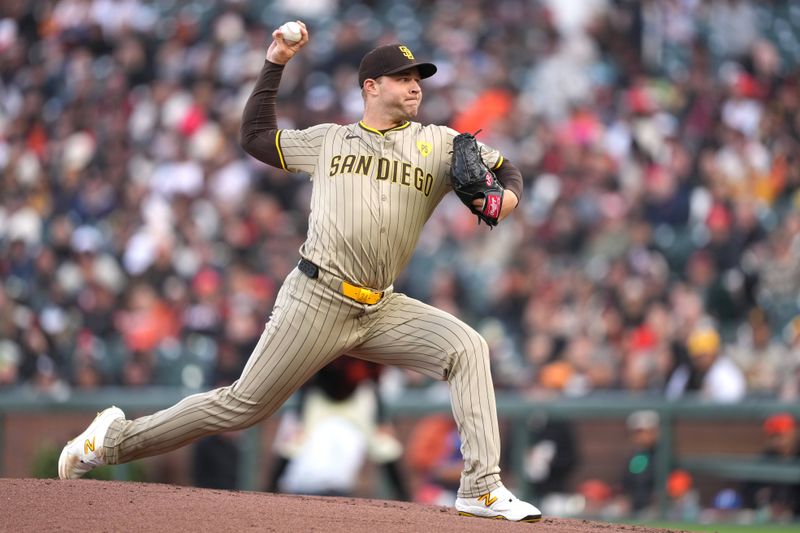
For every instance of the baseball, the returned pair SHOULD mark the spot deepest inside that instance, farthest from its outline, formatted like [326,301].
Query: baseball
[291,32]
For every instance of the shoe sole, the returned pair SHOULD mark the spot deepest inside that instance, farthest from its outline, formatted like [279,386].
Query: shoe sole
[65,462]
[528,519]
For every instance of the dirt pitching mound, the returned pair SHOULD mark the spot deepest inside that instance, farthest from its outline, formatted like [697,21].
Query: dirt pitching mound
[87,505]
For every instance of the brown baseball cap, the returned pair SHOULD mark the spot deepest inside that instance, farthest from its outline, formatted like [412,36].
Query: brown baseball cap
[391,59]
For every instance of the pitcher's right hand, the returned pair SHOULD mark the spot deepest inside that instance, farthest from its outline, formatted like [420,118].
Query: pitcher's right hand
[280,51]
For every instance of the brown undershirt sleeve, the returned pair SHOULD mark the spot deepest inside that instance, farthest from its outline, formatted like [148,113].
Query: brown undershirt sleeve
[510,177]
[260,120]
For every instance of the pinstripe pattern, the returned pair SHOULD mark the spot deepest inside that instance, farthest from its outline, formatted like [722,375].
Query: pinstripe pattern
[411,334]
[372,194]
[364,229]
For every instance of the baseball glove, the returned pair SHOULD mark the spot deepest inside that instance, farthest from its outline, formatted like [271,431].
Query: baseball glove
[472,179]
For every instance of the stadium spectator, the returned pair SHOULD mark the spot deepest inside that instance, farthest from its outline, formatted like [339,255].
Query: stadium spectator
[434,456]
[551,456]
[638,482]
[215,461]
[684,499]
[764,359]
[339,423]
[780,501]
[709,373]
[790,384]
[660,164]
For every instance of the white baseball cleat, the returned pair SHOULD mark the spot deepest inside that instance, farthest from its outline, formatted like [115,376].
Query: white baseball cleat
[85,452]
[499,504]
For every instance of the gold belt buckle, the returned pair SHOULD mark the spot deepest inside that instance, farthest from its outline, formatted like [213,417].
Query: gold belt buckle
[360,294]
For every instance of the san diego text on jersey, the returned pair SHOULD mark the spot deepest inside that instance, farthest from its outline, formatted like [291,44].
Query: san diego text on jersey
[401,172]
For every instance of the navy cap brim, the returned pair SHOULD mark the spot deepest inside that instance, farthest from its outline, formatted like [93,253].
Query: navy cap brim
[426,70]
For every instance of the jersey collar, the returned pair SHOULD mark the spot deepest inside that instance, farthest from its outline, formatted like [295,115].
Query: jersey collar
[373,130]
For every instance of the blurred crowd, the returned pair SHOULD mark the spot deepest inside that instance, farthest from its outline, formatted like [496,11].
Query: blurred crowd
[635,491]
[656,248]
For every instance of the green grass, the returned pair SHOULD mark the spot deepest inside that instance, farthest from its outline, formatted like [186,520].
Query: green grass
[729,528]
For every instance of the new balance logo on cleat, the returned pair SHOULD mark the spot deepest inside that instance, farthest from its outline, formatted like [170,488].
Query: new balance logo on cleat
[88,446]
[499,504]
[487,499]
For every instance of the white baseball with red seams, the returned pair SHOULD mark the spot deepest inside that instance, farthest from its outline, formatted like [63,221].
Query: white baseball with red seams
[291,32]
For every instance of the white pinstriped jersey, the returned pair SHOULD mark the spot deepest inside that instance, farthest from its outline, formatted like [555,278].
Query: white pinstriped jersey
[372,193]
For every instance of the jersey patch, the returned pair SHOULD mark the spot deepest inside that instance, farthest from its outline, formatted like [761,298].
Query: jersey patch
[425,148]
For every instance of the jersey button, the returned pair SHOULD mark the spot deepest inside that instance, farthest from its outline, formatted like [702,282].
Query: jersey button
[383,230]
[383,197]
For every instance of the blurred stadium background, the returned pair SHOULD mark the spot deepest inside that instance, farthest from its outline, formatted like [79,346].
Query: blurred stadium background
[653,266]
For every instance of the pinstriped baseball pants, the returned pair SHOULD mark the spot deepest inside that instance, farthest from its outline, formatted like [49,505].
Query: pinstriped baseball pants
[311,325]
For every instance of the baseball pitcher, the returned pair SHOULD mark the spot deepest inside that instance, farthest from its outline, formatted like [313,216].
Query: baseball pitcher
[375,184]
